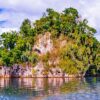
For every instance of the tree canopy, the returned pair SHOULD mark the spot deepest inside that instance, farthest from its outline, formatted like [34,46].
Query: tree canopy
[81,51]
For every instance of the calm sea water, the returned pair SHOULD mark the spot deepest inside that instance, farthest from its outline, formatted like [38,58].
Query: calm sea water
[49,89]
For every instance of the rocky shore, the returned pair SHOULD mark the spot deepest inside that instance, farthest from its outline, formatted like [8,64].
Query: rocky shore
[18,71]
[42,46]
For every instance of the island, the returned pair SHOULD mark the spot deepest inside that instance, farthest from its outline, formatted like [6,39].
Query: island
[56,45]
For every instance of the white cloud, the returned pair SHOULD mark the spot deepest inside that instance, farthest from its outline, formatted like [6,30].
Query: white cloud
[91,11]
[97,36]
[7,30]
[17,10]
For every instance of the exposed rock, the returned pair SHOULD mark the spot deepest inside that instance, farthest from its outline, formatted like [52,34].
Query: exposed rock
[19,71]
[39,68]
[44,44]
[16,71]
[5,71]
[56,72]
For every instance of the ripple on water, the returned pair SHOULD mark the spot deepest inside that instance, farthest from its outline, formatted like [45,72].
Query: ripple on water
[75,96]
[50,89]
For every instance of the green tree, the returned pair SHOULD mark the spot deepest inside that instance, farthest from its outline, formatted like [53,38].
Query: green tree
[9,40]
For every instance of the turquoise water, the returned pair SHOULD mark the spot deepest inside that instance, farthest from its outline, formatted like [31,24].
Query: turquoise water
[49,89]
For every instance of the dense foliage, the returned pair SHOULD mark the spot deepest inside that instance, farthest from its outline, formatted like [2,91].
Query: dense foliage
[81,51]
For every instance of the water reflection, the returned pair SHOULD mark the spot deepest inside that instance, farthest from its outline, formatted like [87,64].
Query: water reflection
[45,89]
[33,83]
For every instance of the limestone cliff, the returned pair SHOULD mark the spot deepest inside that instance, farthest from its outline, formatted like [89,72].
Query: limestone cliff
[48,51]
[43,44]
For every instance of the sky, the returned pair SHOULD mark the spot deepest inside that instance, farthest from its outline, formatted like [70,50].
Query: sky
[13,12]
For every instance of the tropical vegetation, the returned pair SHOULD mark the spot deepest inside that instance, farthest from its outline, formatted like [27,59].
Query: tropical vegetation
[80,52]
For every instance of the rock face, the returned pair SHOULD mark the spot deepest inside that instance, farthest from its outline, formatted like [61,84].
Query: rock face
[44,44]
[19,71]
[56,72]
[5,71]
[16,71]
[39,68]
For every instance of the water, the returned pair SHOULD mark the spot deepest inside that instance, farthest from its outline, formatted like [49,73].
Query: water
[49,89]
